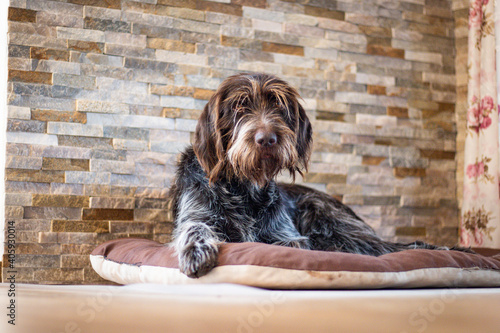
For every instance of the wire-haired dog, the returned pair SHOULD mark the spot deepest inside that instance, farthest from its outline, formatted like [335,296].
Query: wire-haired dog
[252,128]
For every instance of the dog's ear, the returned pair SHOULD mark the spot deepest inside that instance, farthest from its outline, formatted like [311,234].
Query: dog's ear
[304,138]
[208,145]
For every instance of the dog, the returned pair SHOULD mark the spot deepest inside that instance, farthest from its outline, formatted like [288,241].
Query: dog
[224,190]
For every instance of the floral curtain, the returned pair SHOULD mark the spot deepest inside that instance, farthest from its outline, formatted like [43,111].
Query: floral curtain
[480,220]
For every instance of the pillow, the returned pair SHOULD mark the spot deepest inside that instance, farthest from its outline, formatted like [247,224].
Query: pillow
[131,260]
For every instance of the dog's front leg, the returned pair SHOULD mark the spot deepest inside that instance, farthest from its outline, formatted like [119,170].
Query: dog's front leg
[196,246]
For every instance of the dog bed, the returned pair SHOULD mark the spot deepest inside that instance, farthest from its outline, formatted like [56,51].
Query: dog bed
[131,260]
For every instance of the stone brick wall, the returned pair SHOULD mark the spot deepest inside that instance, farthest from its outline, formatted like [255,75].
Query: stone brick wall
[103,94]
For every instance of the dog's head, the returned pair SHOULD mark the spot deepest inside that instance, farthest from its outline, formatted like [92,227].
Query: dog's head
[252,128]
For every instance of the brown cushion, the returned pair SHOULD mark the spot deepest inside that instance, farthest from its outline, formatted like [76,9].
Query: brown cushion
[139,260]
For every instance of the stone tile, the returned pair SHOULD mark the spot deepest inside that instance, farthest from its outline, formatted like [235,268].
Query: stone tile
[151,192]
[282,48]
[123,191]
[124,39]
[37,261]
[80,34]
[126,133]
[65,164]
[180,58]
[151,203]
[45,200]
[74,129]
[263,14]
[37,176]
[18,199]
[178,3]
[230,9]
[129,51]
[163,135]
[243,43]
[59,116]
[97,190]
[376,90]
[172,90]
[304,30]
[19,149]
[108,214]
[200,81]
[23,162]
[26,187]
[397,112]
[37,40]
[52,213]
[49,54]
[79,226]
[75,261]
[50,19]
[409,172]
[419,201]
[251,3]
[196,26]
[14,212]
[169,44]
[61,152]
[94,23]
[21,15]
[324,178]
[114,203]
[79,249]
[85,46]
[69,189]
[32,77]
[58,274]
[18,51]
[130,145]
[276,27]
[76,81]
[181,102]
[118,167]
[16,112]
[411,231]
[322,12]
[32,126]
[153,215]
[329,54]
[130,121]
[84,177]
[131,227]
[58,67]
[109,154]
[437,154]
[50,6]
[102,107]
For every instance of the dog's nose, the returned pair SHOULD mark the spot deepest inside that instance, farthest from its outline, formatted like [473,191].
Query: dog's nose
[265,138]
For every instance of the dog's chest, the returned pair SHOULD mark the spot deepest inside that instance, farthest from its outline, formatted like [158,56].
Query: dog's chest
[246,210]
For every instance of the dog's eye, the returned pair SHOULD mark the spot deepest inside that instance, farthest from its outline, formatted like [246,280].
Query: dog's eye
[276,102]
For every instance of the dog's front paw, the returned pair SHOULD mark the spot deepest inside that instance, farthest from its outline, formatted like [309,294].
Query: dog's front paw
[198,259]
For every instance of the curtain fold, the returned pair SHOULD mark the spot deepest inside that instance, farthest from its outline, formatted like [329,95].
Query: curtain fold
[480,220]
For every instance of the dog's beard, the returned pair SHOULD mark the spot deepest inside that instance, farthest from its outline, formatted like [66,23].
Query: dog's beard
[261,165]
